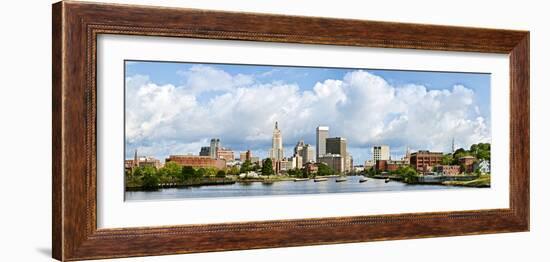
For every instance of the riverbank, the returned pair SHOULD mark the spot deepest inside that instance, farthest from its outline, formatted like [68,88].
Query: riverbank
[482,181]
[188,183]
[462,181]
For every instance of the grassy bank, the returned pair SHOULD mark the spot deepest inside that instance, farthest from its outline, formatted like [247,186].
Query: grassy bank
[482,181]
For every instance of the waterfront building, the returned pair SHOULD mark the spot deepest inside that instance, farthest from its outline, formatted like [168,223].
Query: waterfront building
[381,152]
[358,169]
[311,168]
[197,161]
[484,166]
[141,161]
[321,137]
[305,151]
[277,151]
[389,165]
[255,160]
[308,153]
[349,163]
[424,160]
[285,165]
[214,145]
[339,146]
[297,161]
[447,170]
[407,157]
[334,161]
[205,151]
[467,163]
[369,164]
[225,153]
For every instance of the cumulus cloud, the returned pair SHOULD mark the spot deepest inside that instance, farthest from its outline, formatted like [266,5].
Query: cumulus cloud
[241,110]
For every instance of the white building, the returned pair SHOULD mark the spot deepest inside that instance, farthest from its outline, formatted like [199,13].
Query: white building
[277,151]
[321,137]
[381,152]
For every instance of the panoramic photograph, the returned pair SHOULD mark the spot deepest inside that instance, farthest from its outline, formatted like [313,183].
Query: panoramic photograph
[204,130]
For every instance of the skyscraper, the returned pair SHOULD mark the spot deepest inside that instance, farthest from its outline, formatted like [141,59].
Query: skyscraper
[381,152]
[277,152]
[307,154]
[339,146]
[305,151]
[214,145]
[322,135]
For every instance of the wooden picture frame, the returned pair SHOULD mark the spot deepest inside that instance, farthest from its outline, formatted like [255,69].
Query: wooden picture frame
[76,26]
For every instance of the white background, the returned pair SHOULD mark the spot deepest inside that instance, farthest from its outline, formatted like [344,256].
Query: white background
[25,136]
[114,212]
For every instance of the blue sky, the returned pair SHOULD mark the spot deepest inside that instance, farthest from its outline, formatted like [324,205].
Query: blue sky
[304,80]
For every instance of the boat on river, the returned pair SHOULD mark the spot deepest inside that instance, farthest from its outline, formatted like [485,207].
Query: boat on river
[300,179]
[321,179]
[387,180]
[363,180]
[341,179]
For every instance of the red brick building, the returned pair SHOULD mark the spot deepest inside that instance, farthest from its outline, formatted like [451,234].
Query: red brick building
[448,170]
[468,163]
[225,153]
[423,161]
[197,161]
[389,165]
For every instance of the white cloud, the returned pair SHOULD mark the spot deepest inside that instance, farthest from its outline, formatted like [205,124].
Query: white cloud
[362,107]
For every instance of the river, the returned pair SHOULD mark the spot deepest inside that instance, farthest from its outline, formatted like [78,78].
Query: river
[279,188]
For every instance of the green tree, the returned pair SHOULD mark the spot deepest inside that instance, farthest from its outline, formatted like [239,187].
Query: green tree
[201,172]
[220,174]
[233,171]
[172,170]
[150,178]
[267,167]
[408,174]
[138,171]
[447,159]
[324,170]
[295,172]
[187,172]
[246,166]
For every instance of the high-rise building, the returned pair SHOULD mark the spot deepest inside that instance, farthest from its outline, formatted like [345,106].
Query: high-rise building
[308,155]
[205,151]
[277,152]
[305,151]
[336,145]
[214,146]
[339,146]
[334,161]
[381,152]
[225,153]
[247,155]
[321,137]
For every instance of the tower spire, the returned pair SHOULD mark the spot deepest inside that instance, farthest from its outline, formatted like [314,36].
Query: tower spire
[453,146]
[136,160]
[276,125]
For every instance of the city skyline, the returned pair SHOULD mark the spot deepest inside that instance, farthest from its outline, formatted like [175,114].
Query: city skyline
[176,108]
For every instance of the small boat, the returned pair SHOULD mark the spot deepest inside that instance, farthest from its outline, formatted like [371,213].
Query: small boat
[363,180]
[321,179]
[341,179]
[387,180]
[300,179]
